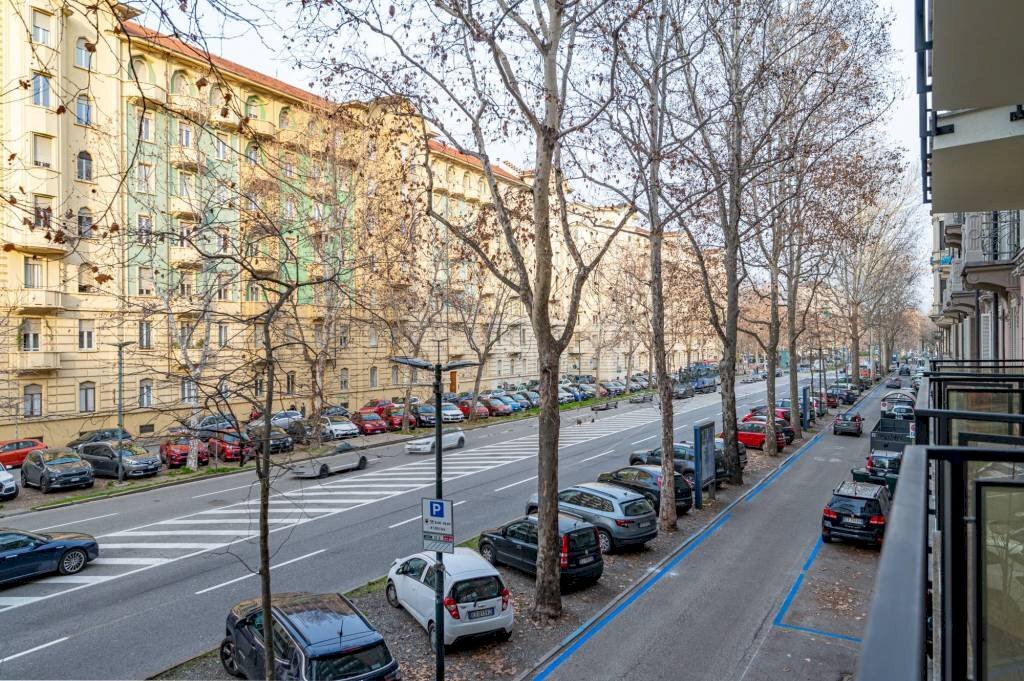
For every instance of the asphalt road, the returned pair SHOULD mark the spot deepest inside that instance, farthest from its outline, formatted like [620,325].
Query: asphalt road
[173,561]
[707,616]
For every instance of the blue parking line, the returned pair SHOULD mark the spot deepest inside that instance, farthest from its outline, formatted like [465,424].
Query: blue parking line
[665,569]
[817,632]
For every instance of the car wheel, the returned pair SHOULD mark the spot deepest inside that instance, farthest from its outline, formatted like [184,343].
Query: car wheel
[391,594]
[605,541]
[72,561]
[504,635]
[487,552]
[827,538]
[227,658]
[462,443]
[24,478]
[362,463]
[89,484]
[324,471]
[44,485]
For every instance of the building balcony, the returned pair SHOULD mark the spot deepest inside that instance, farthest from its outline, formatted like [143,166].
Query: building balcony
[263,264]
[254,308]
[224,117]
[989,253]
[38,240]
[35,362]
[140,92]
[953,230]
[255,180]
[186,158]
[184,208]
[38,300]
[189,106]
[292,137]
[185,258]
[257,127]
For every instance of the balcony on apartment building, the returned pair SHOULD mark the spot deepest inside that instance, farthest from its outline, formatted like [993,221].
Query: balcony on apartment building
[258,127]
[38,300]
[953,229]
[224,116]
[184,207]
[34,362]
[949,590]
[38,240]
[254,308]
[189,106]
[990,249]
[140,92]
[185,258]
[958,301]
[186,158]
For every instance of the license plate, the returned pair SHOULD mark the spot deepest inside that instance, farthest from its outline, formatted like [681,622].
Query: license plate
[646,523]
[477,614]
[76,479]
[586,559]
[854,521]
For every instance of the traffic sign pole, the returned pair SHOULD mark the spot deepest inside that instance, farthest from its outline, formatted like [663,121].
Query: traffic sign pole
[439,494]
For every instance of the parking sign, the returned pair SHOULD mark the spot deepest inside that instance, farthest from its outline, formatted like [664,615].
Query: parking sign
[438,525]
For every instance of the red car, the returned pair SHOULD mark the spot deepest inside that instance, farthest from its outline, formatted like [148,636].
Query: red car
[752,434]
[13,452]
[393,417]
[174,451]
[368,421]
[482,411]
[496,407]
[832,401]
[379,406]
[780,413]
[229,446]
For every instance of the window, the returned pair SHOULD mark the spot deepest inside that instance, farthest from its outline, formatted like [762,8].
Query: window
[253,108]
[252,154]
[284,118]
[184,135]
[223,390]
[343,379]
[145,335]
[373,377]
[394,375]
[40,28]
[179,84]
[41,90]
[222,335]
[84,281]
[220,148]
[83,110]
[289,383]
[222,240]
[30,332]
[42,147]
[223,287]
[289,209]
[189,391]
[252,293]
[43,211]
[144,229]
[145,393]
[371,337]
[33,273]
[85,334]
[32,399]
[289,168]
[185,184]
[146,281]
[257,386]
[499,368]
[83,53]
[85,223]
[138,70]
[185,285]
[87,396]
[145,126]
[144,178]
[84,166]
[343,337]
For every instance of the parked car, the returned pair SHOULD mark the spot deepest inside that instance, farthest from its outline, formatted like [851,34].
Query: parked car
[395,414]
[519,399]
[280,440]
[882,462]
[210,425]
[229,445]
[682,391]
[13,452]
[476,601]
[565,397]
[29,554]
[832,399]
[108,458]
[336,463]
[368,421]
[510,402]
[8,485]
[283,419]
[682,459]
[839,394]
[588,390]
[515,544]
[622,517]
[452,438]
[335,410]
[423,415]
[780,425]
[378,405]
[762,410]
[173,451]
[612,388]
[848,422]
[59,468]
[894,382]
[531,397]
[752,434]
[495,407]
[337,427]
[787,403]
[647,480]
[481,410]
[316,636]
[905,370]
[857,511]
[450,413]
[98,436]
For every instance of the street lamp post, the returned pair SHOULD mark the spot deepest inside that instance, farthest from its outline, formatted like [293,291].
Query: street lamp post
[120,404]
[438,369]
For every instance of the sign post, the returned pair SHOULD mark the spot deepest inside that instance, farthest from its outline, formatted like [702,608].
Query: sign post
[438,526]
[805,407]
[703,459]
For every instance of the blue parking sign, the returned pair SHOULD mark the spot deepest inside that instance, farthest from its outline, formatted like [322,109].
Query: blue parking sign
[436,509]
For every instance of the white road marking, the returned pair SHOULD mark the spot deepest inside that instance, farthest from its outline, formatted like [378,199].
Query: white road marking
[166,545]
[16,600]
[516,483]
[75,522]
[222,521]
[272,567]
[591,458]
[130,561]
[644,440]
[32,650]
[180,533]
[76,579]
[229,489]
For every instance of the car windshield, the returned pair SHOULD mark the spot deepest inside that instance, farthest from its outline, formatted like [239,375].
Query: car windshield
[370,417]
[636,507]
[449,407]
[133,451]
[183,440]
[228,437]
[425,409]
[350,663]
[889,463]
[582,540]
[855,505]
[476,589]
[60,456]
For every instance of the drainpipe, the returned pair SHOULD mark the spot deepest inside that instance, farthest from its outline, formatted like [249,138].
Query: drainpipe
[976,327]
[996,326]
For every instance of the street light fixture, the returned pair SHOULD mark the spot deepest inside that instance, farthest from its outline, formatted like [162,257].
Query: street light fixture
[438,369]
[120,404]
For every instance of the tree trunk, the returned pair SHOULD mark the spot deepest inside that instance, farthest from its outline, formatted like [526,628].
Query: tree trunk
[548,596]
[317,400]
[193,441]
[667,511]
[772,356]
[854,374]
[481,360]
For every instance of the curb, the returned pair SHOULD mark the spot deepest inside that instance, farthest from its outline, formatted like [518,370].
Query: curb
[699,535]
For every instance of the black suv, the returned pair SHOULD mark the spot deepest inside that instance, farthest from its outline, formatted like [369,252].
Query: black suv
[316,636]
[857,511]
[647,481]
[515,544]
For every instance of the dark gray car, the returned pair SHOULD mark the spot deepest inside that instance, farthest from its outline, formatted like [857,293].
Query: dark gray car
[105,458]
[98,436]
[50,469]
[622,517]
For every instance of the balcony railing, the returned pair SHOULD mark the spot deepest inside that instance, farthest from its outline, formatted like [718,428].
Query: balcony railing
[994,240]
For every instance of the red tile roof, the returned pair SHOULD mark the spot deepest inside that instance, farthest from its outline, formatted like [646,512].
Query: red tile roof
[191,51]
[442,148]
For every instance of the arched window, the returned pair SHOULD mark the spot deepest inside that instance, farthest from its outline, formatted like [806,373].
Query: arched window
[33,400]
[216,96]
[139,70]
[83,53]
[480,186]
[179,83]
[465,183]
[83,110]
[252,154]
[284,118]
[84,223]
[146,393]
[87,396]
[254,108]
[83,168]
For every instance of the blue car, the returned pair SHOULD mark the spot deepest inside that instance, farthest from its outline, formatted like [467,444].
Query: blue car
[28,554]
[511,402]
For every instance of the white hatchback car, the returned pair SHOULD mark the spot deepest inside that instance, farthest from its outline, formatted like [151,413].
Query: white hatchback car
[476,601]
[450,439]
[337,427]
[450,413]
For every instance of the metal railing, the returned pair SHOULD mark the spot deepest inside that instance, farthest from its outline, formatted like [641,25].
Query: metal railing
[996,238]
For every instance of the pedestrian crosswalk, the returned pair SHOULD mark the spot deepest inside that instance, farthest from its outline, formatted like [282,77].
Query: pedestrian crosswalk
[211,531]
